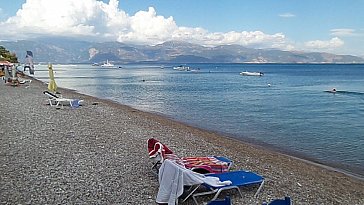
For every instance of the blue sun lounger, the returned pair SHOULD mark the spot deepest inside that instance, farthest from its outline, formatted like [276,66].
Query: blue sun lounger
[173,178]
[238,179]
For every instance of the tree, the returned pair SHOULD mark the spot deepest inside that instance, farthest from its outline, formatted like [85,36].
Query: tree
[6,55]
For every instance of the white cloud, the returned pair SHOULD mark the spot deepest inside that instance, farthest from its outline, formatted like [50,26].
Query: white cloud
[66,17]
[102,21]
[343,32]
[331,44]
[148,27]
[256,38]
[287,15]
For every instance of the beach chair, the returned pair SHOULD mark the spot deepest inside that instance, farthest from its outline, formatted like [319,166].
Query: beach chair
[174,177]
[285,201]
[238,179]
[55,100]
[159,152]
[51,98]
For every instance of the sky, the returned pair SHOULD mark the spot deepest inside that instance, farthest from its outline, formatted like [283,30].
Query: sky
[294,25]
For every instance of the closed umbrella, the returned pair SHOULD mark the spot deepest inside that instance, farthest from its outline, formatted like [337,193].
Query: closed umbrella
[52,86]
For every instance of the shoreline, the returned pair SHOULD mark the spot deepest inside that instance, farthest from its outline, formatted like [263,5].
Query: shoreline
[102,141]
[249,141]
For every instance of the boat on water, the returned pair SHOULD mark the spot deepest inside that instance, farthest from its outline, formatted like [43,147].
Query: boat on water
[108,65]
[246,73]
[182,68]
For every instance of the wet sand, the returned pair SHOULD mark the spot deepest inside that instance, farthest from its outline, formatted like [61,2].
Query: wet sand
[97,154]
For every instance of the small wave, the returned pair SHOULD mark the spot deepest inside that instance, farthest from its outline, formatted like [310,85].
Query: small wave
[350,92]
[345,92]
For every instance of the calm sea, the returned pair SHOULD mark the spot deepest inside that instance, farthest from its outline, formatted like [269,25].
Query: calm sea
[286,109]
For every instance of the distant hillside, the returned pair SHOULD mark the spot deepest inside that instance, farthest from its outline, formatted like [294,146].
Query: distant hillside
[58,50]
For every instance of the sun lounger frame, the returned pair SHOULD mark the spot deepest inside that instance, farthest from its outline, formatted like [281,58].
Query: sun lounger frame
[57,101]
[236,185]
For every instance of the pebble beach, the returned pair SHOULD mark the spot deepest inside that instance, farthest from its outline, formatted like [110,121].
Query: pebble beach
[97,154]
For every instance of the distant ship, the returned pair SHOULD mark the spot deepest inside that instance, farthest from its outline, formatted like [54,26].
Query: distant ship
[182,68]
[246,73]
[108,65]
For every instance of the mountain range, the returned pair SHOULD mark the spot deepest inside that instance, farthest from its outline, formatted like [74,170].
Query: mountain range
[61,50]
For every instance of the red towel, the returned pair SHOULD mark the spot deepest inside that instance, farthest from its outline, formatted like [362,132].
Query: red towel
[155,147]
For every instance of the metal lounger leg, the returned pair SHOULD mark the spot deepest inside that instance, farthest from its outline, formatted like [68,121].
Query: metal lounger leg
[202,194]
[191,193]
[217,191]
[260,187]
[155,168]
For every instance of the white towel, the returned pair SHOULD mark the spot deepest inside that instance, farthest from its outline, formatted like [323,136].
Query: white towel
[173,177]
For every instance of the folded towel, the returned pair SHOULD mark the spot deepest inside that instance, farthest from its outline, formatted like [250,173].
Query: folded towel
[215,181]
[76,103]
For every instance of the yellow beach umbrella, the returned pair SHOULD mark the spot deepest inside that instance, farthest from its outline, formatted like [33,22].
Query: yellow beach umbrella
[52,86]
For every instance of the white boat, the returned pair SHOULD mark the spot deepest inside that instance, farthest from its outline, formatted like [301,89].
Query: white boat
[108,65]
[182,68]
[246,73]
